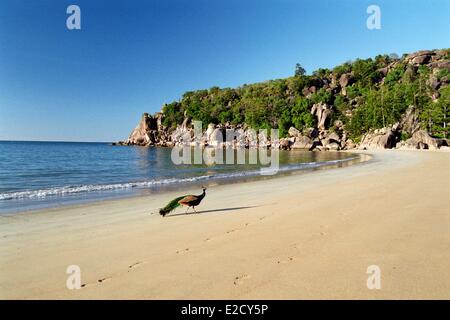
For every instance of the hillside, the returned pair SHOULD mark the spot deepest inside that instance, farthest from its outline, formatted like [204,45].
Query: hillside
[382,102]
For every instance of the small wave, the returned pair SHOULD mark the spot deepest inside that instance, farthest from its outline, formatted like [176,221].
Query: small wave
[69,190]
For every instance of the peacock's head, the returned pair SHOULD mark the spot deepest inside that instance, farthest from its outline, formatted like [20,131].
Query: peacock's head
[204,188]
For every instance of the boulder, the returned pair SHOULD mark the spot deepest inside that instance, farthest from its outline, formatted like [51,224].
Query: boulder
[339,125]
[442,143]
[322,111]
[420,57]
[307,91]
[285,144]
[349,145]
[311,132]
[383,71]
[182,135]
[419,140]
[434,83]
[217,137]
[331,137]
[159,116]
[333,146]
[440,65]
[209,131]
[302,142]
[334,137]
[293,132]
[319,148]
[423,137]
[409,122]
[263,140]
[384,138]
[240,139]
[140,134]
[334,82]
[345,80]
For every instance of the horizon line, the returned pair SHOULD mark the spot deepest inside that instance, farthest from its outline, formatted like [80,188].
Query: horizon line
[57,141]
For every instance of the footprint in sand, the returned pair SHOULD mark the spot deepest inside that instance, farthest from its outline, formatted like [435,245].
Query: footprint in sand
[183,251]
[134,265]
[101,280]
[104,279]
[238,280]
[230,231]
[239,229]
[288,260]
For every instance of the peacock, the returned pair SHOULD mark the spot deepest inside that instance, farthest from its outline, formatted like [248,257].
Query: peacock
[188,201]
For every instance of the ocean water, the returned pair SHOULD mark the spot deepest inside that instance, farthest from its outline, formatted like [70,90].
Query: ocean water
[36,175]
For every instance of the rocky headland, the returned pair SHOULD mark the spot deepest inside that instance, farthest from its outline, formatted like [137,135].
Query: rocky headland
[330,120]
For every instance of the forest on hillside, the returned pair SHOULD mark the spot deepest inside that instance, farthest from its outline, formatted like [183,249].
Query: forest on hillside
[364,94]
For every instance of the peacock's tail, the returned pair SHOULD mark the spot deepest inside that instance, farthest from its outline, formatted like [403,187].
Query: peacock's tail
[170,206]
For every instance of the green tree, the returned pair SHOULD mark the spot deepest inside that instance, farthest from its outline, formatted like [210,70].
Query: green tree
[301,114]
[436,115]
[173,114]
[365,72]
[299,70]
[323,96]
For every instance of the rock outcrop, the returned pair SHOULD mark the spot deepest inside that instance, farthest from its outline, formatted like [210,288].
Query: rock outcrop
[322,111]
[421,140]
[326,135]
[409,123]
[149,132]
[302,142]
[385,138]
[183,134]
[420,57]
[293,132]
[143,133]
[346,80]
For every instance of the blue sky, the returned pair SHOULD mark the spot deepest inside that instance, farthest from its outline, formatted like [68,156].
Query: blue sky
[132,57]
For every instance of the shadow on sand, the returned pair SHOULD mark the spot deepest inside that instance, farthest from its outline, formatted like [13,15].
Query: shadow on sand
[209,211]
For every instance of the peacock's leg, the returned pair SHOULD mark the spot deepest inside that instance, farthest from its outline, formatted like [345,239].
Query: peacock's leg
[187,209]
[194,209]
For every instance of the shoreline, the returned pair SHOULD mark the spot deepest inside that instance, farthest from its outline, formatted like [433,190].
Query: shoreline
[91,197]
[320,233]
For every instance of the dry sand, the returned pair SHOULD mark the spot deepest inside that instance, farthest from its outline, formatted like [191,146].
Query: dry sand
[308,236]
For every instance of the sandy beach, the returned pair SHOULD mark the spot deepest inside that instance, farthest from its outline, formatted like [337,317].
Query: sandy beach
[304,236]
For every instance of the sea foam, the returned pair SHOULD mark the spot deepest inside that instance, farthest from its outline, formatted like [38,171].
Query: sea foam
[72,189]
